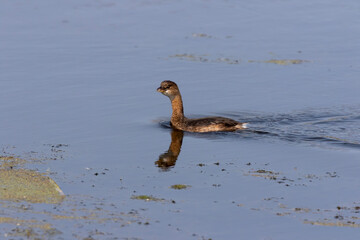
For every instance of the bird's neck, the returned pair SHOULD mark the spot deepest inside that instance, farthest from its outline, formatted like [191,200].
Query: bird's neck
[177,110]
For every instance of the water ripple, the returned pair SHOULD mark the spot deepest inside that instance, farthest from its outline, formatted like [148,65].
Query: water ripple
[322,127]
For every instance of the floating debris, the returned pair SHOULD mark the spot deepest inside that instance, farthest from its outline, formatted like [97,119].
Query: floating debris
[191,57]
[9,162]
[281,61]
[147,198]
[264,173]
[333,224]
[228,60]
[286,61]
[179,186]
[201,35]
[205,58]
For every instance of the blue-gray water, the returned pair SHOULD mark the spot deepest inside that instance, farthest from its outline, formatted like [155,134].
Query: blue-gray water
[84,74]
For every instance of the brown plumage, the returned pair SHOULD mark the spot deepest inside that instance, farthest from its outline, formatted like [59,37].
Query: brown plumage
[179,121]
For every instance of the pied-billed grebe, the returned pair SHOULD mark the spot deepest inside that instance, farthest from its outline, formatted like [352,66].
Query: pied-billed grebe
[179,121]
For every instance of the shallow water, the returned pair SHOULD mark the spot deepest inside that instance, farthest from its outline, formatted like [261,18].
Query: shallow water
[79,102]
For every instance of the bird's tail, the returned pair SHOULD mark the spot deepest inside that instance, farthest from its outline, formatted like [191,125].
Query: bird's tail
[243,125]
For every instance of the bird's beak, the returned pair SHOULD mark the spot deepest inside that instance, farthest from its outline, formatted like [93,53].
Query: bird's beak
[160,90]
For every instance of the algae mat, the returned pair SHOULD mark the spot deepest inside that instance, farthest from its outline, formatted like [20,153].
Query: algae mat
[30,186]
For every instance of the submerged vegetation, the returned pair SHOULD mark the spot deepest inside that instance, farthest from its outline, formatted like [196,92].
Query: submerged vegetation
[147,198]
[30,186]
[286,61]
[230,60]
[26,185]
[179,186]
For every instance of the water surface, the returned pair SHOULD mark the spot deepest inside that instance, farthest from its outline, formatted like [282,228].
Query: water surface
[79,104]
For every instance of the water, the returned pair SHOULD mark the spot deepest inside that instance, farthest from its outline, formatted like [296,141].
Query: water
[79,102]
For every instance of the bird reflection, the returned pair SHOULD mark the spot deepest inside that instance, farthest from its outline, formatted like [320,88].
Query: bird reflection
[168,158]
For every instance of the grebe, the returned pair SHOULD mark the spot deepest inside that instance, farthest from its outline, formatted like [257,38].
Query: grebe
[179,121]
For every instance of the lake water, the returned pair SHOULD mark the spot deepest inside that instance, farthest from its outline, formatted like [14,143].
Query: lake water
[79,104]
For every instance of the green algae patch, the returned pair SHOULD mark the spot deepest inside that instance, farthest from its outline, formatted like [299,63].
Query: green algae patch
[179,186]
[26,222]
[201,35]
[282,61]
[333,224]
[147,198]
[33,232]
[30,186]
[205,58]
[10,162]
[265,171]
[191,57]
[286,61]
[265,174]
